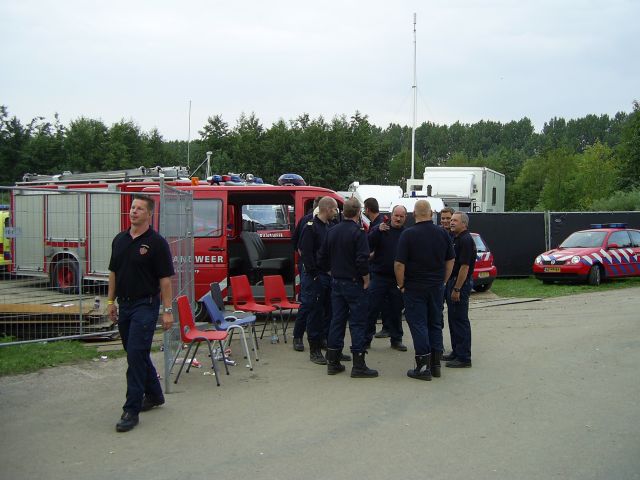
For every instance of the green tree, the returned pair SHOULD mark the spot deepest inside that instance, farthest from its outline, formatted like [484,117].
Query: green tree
[629,150]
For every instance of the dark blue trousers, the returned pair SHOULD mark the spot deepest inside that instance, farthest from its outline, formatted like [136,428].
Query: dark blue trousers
[423,311]
[137,324]
[318,295]
[349,303]
[300,325]
[384,296]
[458,318]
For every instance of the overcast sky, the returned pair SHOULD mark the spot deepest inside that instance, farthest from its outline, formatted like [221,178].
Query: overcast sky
[144,60]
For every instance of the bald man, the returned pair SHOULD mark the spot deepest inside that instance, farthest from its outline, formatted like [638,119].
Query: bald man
[423,264]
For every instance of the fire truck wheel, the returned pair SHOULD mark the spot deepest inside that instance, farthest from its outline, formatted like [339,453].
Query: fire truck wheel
[65,275]
[201,314]
[595,277]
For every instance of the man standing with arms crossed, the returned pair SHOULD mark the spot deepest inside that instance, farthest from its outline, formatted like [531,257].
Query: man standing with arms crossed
[424,261]
[458,292]
[140,271]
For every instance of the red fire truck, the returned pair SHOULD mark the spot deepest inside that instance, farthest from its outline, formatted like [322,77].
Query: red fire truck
[240,226]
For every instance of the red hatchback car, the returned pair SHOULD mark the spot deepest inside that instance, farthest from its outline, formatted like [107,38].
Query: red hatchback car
[485,272]
[607,250]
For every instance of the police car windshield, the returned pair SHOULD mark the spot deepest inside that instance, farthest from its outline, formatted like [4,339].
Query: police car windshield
[588,239]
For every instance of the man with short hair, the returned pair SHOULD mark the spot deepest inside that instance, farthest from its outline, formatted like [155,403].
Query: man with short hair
[300,324]
[345,253]
[317,283]
[372,212]
[140,271]
[424,261]
[445,219]
[458,292]
[383,243]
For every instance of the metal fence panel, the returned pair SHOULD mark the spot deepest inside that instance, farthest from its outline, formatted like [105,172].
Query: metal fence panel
[563,224]
[514,238]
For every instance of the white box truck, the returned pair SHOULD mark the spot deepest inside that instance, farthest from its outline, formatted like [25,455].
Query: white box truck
[468,189]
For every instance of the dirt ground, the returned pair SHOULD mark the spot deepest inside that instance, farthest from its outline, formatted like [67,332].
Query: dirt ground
[554,392]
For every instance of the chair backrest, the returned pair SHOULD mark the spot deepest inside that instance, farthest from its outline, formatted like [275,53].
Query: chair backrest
[185,316]
[274,290]
[255,247]
[241,291]
[216,316]
[216,294]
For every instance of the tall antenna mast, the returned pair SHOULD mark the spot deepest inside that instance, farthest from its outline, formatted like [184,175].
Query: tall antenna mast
[415,103]
[189,138]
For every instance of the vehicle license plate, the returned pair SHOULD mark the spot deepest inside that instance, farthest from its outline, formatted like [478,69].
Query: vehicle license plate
[483,274]
[552,269]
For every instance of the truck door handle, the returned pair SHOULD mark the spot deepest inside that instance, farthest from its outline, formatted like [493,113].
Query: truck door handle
[216,249]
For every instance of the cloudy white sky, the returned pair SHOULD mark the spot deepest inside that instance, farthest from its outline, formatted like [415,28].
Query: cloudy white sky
[145,60]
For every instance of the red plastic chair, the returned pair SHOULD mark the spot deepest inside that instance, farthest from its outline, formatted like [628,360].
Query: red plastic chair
[243,300]
[191,335]
[275,295]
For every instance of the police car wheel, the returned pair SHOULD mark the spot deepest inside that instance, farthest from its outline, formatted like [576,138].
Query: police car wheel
[482,288]
[595,277]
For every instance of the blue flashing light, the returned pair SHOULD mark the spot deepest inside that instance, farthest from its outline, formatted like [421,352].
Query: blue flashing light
[608,225]
[216,179]
[258,180]
[235,178]
[291,179]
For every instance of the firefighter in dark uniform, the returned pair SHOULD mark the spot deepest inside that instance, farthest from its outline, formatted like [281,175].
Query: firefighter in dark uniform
[372,212]
[458,292]
[316,284]
[383,243]
[445,221]
[345,253]
[424,261]
[140,271]
[301,318]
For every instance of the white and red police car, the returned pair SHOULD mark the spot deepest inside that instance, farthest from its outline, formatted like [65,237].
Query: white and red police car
[484,272]
[607,250]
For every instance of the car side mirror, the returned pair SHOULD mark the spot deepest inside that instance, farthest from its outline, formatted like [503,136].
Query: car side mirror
[612,246]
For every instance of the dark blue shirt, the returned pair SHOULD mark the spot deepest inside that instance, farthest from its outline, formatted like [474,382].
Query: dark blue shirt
[384,246]
[376,221]
[139,263]
[345,251]
[310,242]
[297,232]
[424,249]
[465,249]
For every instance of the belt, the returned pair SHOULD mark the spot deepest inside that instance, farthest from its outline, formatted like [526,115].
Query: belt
[149,298]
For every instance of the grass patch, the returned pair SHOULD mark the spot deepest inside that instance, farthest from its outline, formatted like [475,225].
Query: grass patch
[530,287]
[31,357]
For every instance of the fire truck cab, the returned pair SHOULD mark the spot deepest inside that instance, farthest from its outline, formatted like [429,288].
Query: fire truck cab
[239,226]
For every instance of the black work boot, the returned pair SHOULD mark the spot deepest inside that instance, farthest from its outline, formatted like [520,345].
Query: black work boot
[333,361]
[435,363]
[315,354]
[360,369]
[149,402]
[436,356]
[422,370]
[127,421]
[298,346]
[343,357]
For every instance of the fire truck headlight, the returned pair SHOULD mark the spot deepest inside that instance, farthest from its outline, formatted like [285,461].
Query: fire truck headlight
[538,260]
[575,259]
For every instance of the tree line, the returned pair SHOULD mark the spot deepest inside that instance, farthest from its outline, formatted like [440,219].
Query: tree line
[589,163]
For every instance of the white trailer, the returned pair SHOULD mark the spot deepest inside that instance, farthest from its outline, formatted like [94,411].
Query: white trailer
[468,189]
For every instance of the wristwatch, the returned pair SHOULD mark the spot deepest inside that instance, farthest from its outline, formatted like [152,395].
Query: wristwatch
[456,289]
[167,310]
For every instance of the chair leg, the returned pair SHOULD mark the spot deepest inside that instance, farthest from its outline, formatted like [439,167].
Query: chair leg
[243,340]
[183,362]
[175,357]
[194,356]
[213,363]
[264,327]
[254,340]
[224,357]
